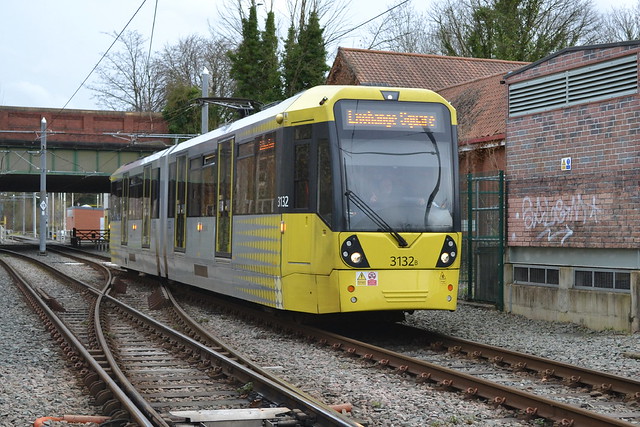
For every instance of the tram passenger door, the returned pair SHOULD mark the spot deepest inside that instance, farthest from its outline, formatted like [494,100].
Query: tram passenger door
[224,198]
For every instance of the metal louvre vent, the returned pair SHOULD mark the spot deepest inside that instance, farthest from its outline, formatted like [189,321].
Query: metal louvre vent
[603,279]
[608,79]
[536,275]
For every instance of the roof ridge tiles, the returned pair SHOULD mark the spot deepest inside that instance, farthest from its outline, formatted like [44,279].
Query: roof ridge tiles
[429,55]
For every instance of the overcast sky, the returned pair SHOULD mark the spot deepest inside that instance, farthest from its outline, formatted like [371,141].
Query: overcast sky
[47,47]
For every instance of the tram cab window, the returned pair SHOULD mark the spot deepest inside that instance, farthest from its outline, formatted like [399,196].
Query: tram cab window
[325,184]
[301,176]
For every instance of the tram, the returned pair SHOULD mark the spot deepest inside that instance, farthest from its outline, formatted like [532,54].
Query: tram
[340,199]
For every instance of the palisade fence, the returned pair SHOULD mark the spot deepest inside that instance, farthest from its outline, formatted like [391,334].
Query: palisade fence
[483,231]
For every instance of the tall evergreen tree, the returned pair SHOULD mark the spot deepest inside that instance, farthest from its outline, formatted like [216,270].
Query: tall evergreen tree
[272,85]
[255,66]
[291,61]
[315,53]
[304,61]
[246,60]
[180,114]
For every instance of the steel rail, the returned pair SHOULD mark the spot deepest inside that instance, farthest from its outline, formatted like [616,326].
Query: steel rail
[571,373]
[69,337]
[529,404]
[134,396]
[239,357]
[262,384]
[271,390]
[131,391]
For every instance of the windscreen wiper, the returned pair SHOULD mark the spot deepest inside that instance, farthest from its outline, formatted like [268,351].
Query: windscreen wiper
[377,219]
[437,186]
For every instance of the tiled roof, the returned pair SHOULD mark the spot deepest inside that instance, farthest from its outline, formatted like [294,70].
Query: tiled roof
[481,106]
[435,72]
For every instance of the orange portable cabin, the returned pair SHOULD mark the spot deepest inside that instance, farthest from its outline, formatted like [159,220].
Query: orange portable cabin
[85,218]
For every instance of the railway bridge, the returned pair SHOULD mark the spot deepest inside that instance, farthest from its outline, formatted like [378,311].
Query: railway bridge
[83,147]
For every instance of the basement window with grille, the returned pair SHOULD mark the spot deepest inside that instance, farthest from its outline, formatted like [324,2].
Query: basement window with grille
[536,275]
[611,280]
[604,80]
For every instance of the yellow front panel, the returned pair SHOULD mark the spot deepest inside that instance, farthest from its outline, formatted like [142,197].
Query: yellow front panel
[423,251]
[397,290]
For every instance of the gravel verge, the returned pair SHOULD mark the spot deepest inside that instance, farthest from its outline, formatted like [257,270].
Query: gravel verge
[34,382]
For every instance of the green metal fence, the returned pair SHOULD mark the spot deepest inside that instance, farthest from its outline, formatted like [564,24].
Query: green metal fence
[482,270]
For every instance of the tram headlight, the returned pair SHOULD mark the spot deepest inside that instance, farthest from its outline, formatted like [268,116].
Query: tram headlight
[352,253]
[356,257]
[448,253]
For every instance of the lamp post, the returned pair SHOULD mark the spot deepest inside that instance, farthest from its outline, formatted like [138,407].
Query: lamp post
[43,186]
[204,123]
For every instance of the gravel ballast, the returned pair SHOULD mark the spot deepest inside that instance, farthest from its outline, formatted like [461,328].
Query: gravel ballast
[34,382]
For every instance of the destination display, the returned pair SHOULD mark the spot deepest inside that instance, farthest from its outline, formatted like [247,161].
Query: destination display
[391,116]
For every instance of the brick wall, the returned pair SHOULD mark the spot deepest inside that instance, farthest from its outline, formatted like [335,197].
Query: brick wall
[597,203]
[78,125]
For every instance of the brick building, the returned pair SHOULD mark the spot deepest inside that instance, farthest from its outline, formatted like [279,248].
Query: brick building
[573,171]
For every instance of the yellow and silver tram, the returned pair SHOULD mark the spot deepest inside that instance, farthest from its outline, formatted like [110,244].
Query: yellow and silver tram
[339,199]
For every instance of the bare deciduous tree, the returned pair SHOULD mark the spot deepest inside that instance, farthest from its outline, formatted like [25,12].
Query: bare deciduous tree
[403,29]
[621,24]
[184,62]
[130,78]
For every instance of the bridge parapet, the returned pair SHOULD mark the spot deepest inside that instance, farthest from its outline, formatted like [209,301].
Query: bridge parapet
[20,126]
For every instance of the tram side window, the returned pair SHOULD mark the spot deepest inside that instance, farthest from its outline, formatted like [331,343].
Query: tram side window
[194,192]
[266,174]
[135,197]
[245,202]
[209,183]
[325,185]
[171,204]
[155,193]
[115,201]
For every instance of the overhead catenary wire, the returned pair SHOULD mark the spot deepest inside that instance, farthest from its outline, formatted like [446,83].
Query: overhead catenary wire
[344,33]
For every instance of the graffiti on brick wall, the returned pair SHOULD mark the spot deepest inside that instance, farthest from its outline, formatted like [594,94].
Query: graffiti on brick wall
[557,218]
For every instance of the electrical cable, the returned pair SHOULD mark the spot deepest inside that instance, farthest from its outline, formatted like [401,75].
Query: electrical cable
[153,28]
[365,22]
[96,66]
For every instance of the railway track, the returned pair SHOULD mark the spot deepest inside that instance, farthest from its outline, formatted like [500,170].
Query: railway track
[147,372]
[458,371]
[461,366]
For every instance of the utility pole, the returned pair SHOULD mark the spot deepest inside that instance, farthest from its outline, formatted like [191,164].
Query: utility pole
[43,186]
[204,127]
